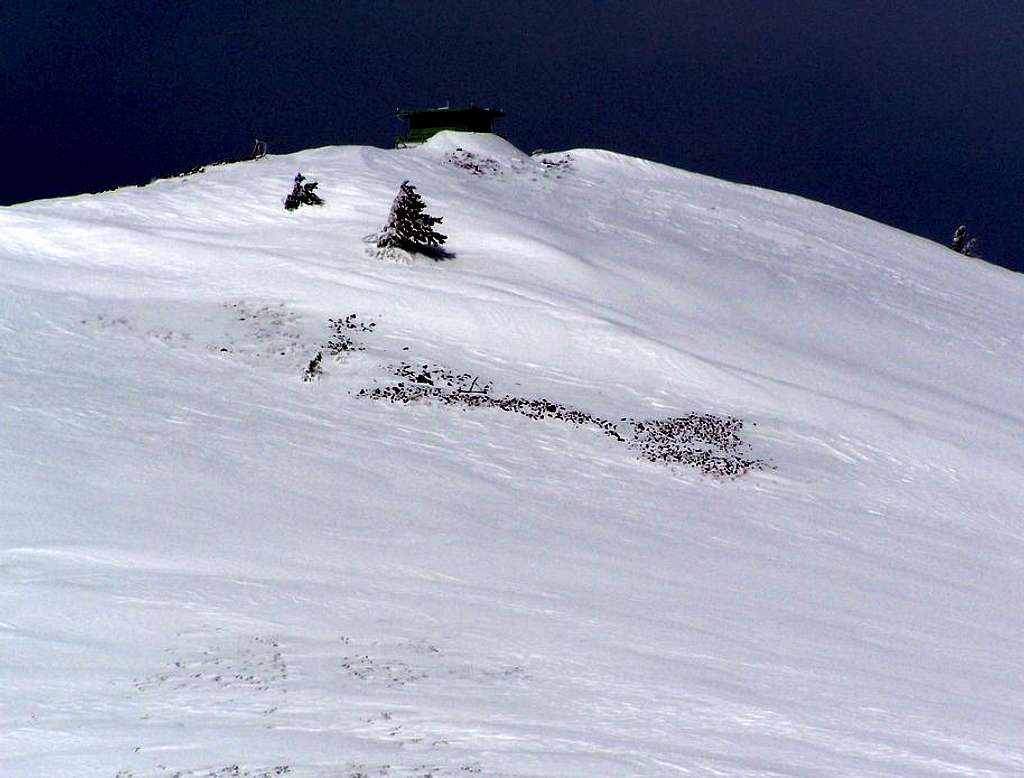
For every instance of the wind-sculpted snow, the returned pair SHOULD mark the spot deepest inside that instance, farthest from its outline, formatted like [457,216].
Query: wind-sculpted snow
[534,169]
[209,567]
[707,442]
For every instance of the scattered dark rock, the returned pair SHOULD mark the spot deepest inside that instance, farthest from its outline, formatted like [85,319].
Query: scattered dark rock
[351,322]
[475,163]
[705,441]
[340,341]
[557,167]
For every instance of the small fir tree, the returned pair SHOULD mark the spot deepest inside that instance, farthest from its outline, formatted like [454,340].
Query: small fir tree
[314,369]
[963,243]
[409,227]
[959,238]
[302,194]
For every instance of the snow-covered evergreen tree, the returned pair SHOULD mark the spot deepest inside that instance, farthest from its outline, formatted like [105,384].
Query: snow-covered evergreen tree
[302,194]
[409,227]
[314,369]
[959,238]
[962,243]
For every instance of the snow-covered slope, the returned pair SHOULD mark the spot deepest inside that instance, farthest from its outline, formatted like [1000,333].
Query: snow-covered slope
[211,567]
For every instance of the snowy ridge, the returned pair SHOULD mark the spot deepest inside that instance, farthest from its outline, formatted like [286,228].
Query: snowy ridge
[211,567]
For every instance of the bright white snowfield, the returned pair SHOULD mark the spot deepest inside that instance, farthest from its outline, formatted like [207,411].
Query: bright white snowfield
[210,567]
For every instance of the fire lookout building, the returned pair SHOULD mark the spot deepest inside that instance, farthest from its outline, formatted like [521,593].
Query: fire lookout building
[427,123]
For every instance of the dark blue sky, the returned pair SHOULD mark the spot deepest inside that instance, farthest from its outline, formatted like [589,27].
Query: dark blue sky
[907,111]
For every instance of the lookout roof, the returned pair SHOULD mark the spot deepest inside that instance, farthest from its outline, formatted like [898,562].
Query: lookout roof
[473,110]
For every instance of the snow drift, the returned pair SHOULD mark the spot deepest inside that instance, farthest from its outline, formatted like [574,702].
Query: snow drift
[211,567]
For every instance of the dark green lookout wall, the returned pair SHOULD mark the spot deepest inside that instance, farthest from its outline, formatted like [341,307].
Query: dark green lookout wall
[427,123]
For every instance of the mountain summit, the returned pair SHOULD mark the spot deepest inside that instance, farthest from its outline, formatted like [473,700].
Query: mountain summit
[653,475]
